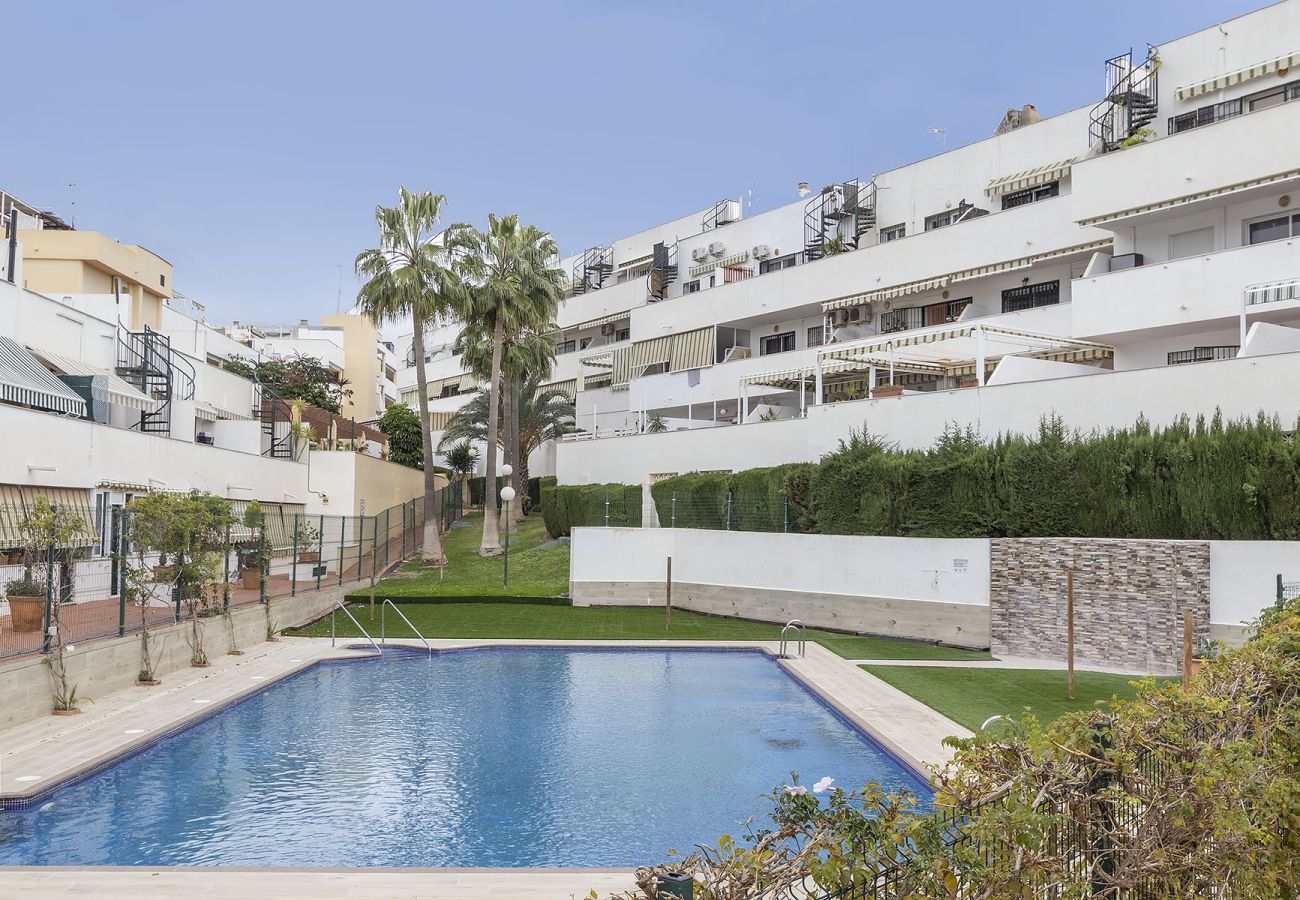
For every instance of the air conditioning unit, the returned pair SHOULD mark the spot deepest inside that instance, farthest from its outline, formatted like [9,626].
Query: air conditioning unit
[607,328]
[700,254]
[762,251]
[717,248]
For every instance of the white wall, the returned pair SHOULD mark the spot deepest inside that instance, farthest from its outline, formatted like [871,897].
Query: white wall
[1243,577]
[927,569]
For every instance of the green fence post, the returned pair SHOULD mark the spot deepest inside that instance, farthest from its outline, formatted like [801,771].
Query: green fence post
[674,509]
[120,587]
[403,529]
[607,509]
[728,510]
[293,566]
[343,535]
[785,502]
[180,578]
[374,549]
[320,550]
[225,571]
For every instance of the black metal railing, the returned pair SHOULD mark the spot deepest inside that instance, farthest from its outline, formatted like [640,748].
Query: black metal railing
[663,271]
[146,360]
[922,316]
[591,270]
[1131,101]
[841,214]
[1202,354]
[717,216]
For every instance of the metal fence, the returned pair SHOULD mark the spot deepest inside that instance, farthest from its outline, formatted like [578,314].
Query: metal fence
[1287,590]
[724,511]
[84,585]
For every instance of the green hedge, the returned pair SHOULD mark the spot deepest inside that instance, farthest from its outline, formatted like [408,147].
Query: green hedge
[1203,480]
[565,507]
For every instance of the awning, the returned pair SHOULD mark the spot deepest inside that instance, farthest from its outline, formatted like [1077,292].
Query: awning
[1029,178]
[1218,82]
[592,323]
[1273,292]
[126,487]
[889,293]
[107,386]
[644,354]
[791,379]
[1289,175]
[955,350]
[602,360]
[214,413]
[568,388]
[438,421]
[281,519]
[17,500]
[25,381]
[1026,262]
[691,350]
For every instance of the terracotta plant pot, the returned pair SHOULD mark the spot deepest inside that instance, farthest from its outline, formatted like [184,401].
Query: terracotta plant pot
[250,579]
[195,665]
[889,390]
[968,382]
[309,556]
[234,653]
[1195,666]
[65,712]
[26,614]
[152,682]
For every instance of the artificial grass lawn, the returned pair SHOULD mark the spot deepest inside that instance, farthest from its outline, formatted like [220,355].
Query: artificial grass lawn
[469,602]
[970,696]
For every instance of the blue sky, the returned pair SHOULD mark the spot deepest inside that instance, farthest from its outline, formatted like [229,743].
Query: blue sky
[248,143]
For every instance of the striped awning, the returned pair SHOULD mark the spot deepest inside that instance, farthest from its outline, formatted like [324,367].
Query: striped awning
[791,378]
[1029,178]
[1280,64]
[17,500]
[602,360]
[889,293]
[955,350]
[1273,292]
[1289,175]
[568,387]
[215,413]
[691,350]
[601,320]
[438,421]
[25,381]
[106,385]
[1026,262]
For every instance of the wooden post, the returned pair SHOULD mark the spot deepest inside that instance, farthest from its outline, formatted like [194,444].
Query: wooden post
[1187,646]
[1069,628]
[668,598]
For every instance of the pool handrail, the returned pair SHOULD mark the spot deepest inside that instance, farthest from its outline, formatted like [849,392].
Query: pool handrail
[382,631]
[799,632]
[338,604]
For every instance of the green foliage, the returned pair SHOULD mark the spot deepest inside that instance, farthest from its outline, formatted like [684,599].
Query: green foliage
[297,378]
[565,507]
[460,457]
[547,496]
[405,443]
[1199,480]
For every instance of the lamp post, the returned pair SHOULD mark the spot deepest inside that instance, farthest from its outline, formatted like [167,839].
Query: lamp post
[507,494]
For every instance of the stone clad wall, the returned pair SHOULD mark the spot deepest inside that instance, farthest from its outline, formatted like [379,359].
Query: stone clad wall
[1129,599]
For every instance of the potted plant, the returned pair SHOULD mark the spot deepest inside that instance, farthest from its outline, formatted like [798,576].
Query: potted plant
[1204,651]
[26,605]
[968,381]
[888,389]
[251,559]
[308,537]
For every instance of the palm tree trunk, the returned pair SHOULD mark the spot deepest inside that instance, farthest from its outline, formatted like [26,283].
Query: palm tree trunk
[518,480]
[507,423]
[523,471]
[491,543]
[431,551]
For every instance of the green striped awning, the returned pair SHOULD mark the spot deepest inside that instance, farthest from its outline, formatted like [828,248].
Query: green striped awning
[17,500]
[1280,64]
[568,387]
[25,381]
[1026,262]
[889,293]
[1009,184]
[691,350]
[791,378]
[106,385]
[1186,199]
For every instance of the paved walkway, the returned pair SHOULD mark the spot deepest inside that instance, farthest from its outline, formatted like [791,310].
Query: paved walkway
[36,755]
[1005,662]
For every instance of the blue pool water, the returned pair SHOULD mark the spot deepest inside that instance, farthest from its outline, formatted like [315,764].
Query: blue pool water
[510,757]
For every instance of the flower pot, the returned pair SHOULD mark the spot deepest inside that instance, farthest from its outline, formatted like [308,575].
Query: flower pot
[309,556]
[234,653]
[889,390]
[148,682]
[968,382]
[65,712]
[250,579]
[1195,666]
[26,614]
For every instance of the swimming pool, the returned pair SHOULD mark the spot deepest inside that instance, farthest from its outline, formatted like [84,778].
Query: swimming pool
[492,757]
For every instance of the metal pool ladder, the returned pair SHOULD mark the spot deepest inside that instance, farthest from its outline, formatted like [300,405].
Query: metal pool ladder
[338,605]
[798,630]
[383,640]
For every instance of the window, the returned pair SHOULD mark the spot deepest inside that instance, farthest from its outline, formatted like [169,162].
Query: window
[585,343]
[1206,115]
[450,390]
[711,277]
[1275,229]
[566,347]
[1031,195]
[816,335]
[623,334]
[776,265]
[1031,296]
[893,233]
[777,343]
[691,287]
[940,220]
[960,213]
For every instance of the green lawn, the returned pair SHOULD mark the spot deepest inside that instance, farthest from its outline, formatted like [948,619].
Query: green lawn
[970,696]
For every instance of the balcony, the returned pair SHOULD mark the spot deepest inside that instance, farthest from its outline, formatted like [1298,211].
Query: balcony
[1186,295]
[922,316]
[1240,158]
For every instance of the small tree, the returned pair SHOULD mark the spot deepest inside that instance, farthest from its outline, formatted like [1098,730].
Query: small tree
[49,534]
[461,459]
[405,444]
[252,554]
[190,530]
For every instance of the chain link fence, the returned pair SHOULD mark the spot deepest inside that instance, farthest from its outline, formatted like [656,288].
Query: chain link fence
[97,588]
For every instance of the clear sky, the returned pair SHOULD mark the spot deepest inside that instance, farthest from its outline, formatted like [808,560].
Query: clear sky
[248,143]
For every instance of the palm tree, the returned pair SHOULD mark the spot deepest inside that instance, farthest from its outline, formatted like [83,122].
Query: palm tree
[514,289]
[545,414]
[410,274]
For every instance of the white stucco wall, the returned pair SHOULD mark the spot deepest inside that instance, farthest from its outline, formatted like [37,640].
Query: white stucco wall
[1243,577]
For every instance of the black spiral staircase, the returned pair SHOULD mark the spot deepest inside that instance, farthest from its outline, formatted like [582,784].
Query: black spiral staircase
[276,418]
[1131,101]
[718,216]
[591,270]
[841,213]
[663,271]
[146,360]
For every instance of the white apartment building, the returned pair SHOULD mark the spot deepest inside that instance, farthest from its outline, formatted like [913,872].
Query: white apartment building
[1136,257]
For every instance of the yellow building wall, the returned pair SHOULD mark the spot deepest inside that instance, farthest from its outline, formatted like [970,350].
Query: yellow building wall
[361,366]
[86,262]
[384,484]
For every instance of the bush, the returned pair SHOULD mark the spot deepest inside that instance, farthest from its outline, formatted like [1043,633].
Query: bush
[569,506]
[701,500]
[546,499]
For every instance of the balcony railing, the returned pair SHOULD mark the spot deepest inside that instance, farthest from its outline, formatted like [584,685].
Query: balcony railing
[732,274]
[922,316]
[1203,354]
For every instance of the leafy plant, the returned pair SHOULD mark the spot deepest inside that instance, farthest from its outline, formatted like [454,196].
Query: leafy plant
[405,440]
[42,527]
[1141,136]
[656,424]
[303,378]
